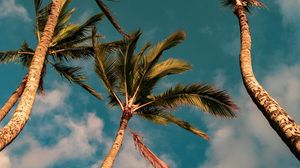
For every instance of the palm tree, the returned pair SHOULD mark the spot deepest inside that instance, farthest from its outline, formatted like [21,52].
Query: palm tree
[130,78]
[23,110]
[12,99]
[280,121]
[68,43]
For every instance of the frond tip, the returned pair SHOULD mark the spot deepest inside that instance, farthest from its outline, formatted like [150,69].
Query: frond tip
[147,153]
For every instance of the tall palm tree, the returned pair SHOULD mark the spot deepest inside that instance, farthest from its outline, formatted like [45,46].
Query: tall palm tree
[12,99]
[68,43]
[131,77]
[21,115]
[280,121]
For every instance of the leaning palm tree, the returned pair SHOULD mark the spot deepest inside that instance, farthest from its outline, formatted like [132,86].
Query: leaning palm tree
[131,77]
[280,121]
[69,42]
[24,108]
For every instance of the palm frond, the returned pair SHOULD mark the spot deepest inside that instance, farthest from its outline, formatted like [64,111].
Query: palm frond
[111,18]
[26,54]
[168,67]
[77,31]
[9,56]
[23,55]
[153,56]
[105,67]
[128,67]
[147,153]
[205,97]
[185,125]
[160,116]
[80,52]
[64,17]
[41,18]
[75,75]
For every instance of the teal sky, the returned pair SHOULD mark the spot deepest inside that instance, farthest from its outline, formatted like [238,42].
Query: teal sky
[70,128]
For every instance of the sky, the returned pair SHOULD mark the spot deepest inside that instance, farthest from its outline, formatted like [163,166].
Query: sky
[70,128]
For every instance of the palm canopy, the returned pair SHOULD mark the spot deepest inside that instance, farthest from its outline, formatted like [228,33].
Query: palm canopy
[246,3]
[69,42]
[131,77]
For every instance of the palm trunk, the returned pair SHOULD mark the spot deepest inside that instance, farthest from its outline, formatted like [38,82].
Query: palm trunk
[111,156]
[280,121]
[23,110]
[13,99]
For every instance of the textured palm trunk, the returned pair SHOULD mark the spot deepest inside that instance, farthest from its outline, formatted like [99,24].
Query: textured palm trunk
[23,110]
[111,156]
[280,121]
[13,99]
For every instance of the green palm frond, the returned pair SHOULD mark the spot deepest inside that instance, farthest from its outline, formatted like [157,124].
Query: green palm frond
[27,54]
[205,97]
[76,32]
[154,53]
[42,15]
[105,67]
[164,118]
[152,57]
[37,4]
[23,55]
[161,70]
[128,67]
[168,67]
[41,18]
[75,75]
[80,52]
[111,18]
[9,56]
[185,125]
[64,17]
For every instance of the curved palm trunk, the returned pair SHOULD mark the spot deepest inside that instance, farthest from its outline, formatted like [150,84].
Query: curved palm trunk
[23,110]
[111,156]
[280,121]
[13,99]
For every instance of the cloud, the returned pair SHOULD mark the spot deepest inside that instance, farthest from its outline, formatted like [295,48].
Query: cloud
[5,161]
[249,141]
[9,8]
[290,10]
[81,143]
[53,99]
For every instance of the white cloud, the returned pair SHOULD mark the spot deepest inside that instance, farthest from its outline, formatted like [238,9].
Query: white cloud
[232,47]
[290,9]
[5,161]
[9,8]
[219,79]
[52,100]
[249,141]
[77,145]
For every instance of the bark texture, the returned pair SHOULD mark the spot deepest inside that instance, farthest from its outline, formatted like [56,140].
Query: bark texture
[111,156]
[280,121]
[13,99]
[23,110]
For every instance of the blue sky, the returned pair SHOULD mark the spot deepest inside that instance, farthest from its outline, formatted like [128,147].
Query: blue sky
[69,128]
